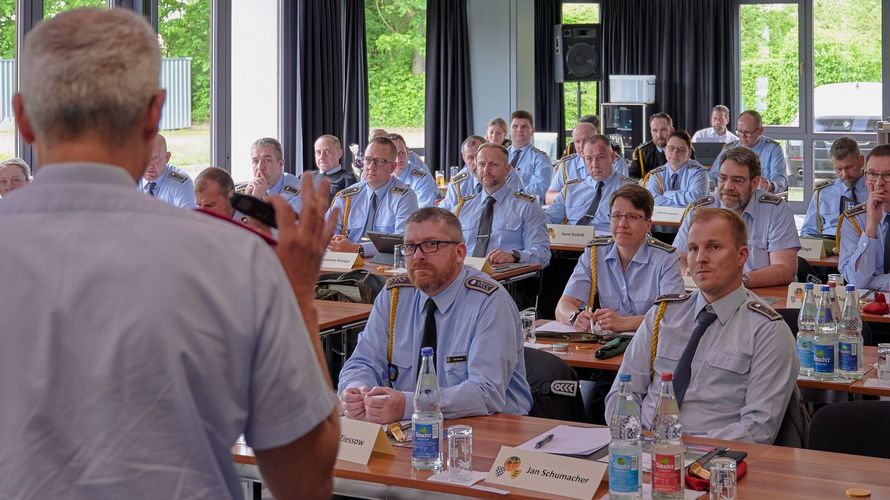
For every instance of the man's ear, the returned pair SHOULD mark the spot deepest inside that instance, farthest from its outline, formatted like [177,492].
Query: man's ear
[21,119]
[152,120]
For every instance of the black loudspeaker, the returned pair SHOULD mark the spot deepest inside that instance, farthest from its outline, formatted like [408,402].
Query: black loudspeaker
[577,54]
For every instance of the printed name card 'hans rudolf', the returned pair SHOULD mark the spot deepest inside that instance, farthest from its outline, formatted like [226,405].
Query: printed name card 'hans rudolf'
[530,470]
[565,234]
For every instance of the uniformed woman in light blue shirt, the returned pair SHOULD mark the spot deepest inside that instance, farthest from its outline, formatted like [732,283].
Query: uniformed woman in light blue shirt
[632,269]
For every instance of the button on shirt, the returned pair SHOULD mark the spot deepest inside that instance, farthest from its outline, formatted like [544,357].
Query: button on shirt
[652,272]
[772,162]
[828,208]
[770,228]
[422,183]
[573,204]
[480,363]
[534,169]
[518,224]
[861,258]
[465,183]
[395,203]
[288,186]
[691,181]
[743,372]
[174,186]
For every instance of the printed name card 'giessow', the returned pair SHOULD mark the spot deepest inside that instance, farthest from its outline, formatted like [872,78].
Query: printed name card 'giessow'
[811,248]
[554,474]
[341,261]
[359,438]
[565,234]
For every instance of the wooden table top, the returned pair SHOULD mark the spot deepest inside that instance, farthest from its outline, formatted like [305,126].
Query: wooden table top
[381,270]
[829,261]
[333,314]
[773,472]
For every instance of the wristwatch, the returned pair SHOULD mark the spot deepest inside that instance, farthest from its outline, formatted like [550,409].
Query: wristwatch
[745,279]
[573,317]
[516,254]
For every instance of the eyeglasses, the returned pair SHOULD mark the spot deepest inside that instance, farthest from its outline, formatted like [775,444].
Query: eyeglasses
[427,247]
[738,181]
[376,162]
[744,133]
[615,217]
[675,149]
[873,176]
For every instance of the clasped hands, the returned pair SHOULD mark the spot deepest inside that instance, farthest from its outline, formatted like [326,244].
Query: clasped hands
[380,405]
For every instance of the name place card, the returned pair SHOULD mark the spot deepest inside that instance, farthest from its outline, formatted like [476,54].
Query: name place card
[341,261]
[794,299]
[565,234]
[553,474]
[811,248]
[670,215]
[359,438]
[479,264]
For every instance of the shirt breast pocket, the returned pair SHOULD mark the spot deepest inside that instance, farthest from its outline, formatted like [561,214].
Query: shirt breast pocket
[455,369]
[510,229]
[728,369]
[759,249]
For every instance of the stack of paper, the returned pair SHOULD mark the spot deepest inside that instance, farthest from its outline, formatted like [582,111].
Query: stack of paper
[569,440]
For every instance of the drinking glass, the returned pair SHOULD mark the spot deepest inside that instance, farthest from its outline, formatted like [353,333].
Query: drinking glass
[460,449]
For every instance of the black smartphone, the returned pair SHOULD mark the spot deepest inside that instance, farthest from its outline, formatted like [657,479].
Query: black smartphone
[256,208]
[736,455]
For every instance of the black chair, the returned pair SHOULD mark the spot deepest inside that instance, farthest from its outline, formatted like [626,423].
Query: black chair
[795,427]
[805,270]
[855,427]
[556,392]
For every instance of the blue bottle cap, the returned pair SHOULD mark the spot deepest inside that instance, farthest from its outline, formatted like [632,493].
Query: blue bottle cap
[426,351]
[807,286]
[624,377]
[824,288]
[850,288]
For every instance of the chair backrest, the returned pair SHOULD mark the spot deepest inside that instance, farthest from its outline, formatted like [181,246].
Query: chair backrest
[855,427]
[795,429]
[556,392]
[804,270]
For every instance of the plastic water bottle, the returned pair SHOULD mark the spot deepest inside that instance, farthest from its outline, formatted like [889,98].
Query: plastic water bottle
[850,337]
[832,297]
[667,447]
[806,329]
[825,341]
[426,421]
[625,450]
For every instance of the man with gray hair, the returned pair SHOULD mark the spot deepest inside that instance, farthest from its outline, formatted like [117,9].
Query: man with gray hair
[718,131]
[328,153]
[269,176]
[131,363]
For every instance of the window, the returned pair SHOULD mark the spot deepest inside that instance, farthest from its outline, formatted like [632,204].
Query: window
[580,13]
[7,78]
[184,31]
[255,77]
[396,43]
[53,7]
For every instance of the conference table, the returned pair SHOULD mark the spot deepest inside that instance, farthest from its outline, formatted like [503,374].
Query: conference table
[773,471]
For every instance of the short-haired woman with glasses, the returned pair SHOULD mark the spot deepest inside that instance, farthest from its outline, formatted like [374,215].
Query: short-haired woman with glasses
[681,180]
[632,269]
[14,173]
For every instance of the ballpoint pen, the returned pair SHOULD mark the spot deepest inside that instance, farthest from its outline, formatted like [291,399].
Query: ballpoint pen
[544,441]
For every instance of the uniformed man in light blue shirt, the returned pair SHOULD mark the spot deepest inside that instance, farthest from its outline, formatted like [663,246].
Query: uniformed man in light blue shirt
[831,198]
[772,159]
[585,201]
[532,164]
[468,319]
[379,203]
[269,176]
[681,180]
[418,179]
[164,181]
[500,223]
[632,269]
[772,236]
[865,229]
[466,181]
[732,357]
[571,166]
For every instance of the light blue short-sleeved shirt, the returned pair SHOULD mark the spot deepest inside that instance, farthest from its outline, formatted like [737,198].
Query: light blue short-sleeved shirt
[770,227]
[479,357]
[422,183]
[415,161]
[690,180]
[465,183]
[772,162]
[395,203]
[534,169]
[825,206]
[653,271]
[518,224]
[743,372]
[575,168]
[143,361]
[174,186]
[571,206]
[861,258]
[289,188]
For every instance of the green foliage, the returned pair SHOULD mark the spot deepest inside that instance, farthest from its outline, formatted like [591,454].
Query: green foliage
[580,13]
[7,29]
[589,101]
[396,44]
[184,28]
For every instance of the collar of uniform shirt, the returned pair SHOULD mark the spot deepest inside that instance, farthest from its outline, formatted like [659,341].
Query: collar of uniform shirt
[446,297]
[724,307]
[498,195]
[641,256]
[383,189]
[589,180]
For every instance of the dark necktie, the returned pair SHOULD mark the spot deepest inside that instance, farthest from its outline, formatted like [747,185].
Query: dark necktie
[675,181]
[430,338]
[483,234]
[594,205]
[848,201]
[372,214]
[853,197]
[515,161]
[479,188]
[683,371]
[151,188]
[887,245]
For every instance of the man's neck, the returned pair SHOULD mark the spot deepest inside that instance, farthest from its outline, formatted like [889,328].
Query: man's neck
[520,146]
[494,189]
[723,292]
[131,155]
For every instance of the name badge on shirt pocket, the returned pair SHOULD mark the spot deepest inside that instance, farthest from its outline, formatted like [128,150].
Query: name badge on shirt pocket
[460,358]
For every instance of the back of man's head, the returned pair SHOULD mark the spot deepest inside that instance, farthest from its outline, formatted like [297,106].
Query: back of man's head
[216,175]
[89,71]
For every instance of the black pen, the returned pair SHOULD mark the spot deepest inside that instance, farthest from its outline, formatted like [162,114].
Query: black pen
[544,441]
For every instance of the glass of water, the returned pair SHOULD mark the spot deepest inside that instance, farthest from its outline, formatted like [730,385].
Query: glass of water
[884,363]
[398,260]
[460,449]
[528,324]
[723,479]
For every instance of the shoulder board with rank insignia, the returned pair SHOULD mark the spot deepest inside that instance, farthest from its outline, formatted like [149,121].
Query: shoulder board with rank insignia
[855,210]
[574,181]
[628,180]
[398,190]
[654,242]
[460,177]
[565,159]
[673,297]
[418,173]
[767,140]
[470,196]
[526,197]
[349,191]
[600,241]
[176,176]
[291,190]
[823,185]
[538,150]
[770,198]
[707,200]
[658,169]
[730,145]
[765,310]
[480,284]
[397,281]
[241,188]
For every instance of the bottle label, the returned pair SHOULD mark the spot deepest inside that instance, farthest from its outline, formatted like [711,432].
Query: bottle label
[426,440]
[667,473]
[848,356]
[805,351]
[825,315]
[823,358]
[624,473]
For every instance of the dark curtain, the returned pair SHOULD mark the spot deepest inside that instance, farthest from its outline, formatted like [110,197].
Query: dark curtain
[449,101]
[355,77]
[549,98]
[684,43]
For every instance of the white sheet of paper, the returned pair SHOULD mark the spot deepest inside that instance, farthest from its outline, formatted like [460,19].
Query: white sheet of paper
[873,382]
[464,478]
[571,440]
[555,327]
